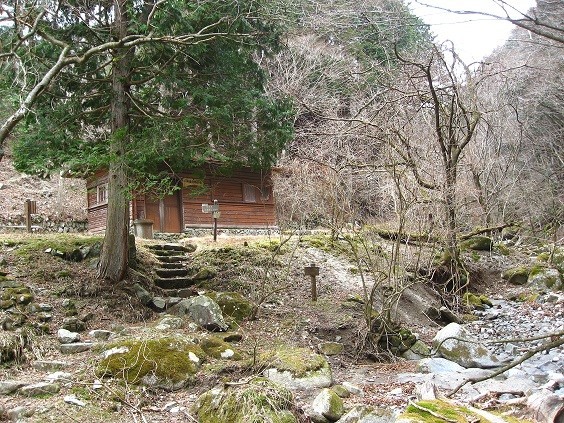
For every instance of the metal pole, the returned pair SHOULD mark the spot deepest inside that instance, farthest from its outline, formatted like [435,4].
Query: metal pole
[215,228]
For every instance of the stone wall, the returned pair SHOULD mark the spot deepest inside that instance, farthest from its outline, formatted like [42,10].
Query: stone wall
[40,224]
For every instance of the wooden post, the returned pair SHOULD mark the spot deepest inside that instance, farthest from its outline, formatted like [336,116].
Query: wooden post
[312,271]
[215,214]
[30,207]
[27,214]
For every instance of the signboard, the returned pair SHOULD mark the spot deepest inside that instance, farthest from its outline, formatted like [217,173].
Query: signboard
[210,208]
[192,183]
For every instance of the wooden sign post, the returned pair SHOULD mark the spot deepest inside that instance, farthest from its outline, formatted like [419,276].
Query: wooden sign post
[214,210]
[30,207]
[312,271]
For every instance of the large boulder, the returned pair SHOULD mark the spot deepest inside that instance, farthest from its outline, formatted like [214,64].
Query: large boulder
[453,342]
[368,414]
[543,278]
[259,400]
[328,404]
[232,304]
[477,243]
[516,275]
[296,368]
[169,363]
[204,311]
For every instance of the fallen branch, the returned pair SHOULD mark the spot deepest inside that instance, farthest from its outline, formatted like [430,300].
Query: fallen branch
[483,231]
[544,347]
[432,413]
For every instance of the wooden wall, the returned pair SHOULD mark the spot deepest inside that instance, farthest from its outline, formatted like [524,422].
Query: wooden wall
[233,192]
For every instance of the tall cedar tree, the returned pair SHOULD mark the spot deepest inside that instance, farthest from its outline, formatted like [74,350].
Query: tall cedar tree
[142,88]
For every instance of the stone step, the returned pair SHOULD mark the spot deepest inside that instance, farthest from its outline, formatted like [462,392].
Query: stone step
[171,273]
[181,293]
[174,283]
[168,253]
[178,265]
[172,259]
[171,247]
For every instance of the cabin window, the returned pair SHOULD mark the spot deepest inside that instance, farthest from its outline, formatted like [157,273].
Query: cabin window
[102,193]
[249,193]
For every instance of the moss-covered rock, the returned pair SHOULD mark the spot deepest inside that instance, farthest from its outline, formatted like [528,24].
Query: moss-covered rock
[454,343]
[476,301]
[543,278]
[17,295]
[477,243]
[516,275]
[298,361]
[328,404]
[439,411]
[217,348]
[331,348]
[417,351]
[169,363]
[296,368]
[232,304]
[258,401]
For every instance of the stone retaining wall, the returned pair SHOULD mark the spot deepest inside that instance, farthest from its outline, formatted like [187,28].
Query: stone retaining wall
[43,225]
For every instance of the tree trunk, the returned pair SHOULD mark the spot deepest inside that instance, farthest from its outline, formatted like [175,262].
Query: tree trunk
[114,259]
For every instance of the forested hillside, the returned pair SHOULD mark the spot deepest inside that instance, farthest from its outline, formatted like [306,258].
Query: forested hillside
[416,272]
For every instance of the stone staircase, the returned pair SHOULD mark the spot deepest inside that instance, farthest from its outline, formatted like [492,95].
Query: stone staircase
[172,274]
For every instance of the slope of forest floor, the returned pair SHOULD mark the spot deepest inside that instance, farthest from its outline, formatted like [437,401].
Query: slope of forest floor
[260,268]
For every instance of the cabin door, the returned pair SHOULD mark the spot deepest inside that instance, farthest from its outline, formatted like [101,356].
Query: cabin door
[165,213]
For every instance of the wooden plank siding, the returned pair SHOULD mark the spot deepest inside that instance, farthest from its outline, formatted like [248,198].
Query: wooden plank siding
[244,196]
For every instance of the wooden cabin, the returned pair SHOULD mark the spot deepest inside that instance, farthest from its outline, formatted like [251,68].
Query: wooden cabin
[244,197]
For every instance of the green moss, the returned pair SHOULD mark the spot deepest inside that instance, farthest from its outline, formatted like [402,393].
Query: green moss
[516,275]
[217,348]
[232,304]
[477,243]
[526,297]
[19,295]
[170,359]
[502,249]
[298,361]
[445,409]
[472,301]
[65,243]
[258,401]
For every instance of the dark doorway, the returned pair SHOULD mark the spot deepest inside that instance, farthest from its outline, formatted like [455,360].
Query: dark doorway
[165,213]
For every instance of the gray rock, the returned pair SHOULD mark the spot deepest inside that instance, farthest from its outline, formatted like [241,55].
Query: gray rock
[170,322]
[328,404]
[202,310]
[41,388]
[67,337]
[545,278]
[58,376]
[10,386]
[159,303]
[463,350]
[75,347]
[417,351]
[73,324]
[142,294]
[353,389]
[17,414]
[49,366]
[321,378]
[438,365]
[100,334]
[331,348]
[368,414]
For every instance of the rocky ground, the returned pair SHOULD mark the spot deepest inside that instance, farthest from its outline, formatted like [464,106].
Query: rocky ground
[58,199]
[67,295]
